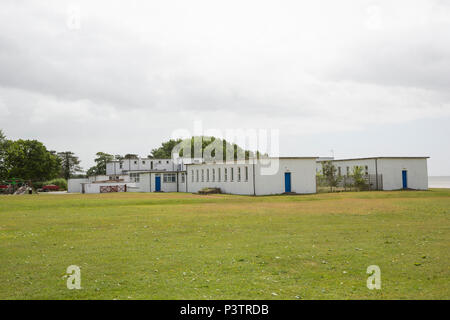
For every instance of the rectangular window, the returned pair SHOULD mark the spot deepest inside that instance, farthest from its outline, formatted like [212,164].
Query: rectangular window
[182,177]
[151,165]
[232,174]
[207,175]
[143,162]
[169,177]
[192,174]
[339,171]
[246,173]
[225,174]
[367,170]
[121,165]
[134,177]
[197,174]
[239,174]
[218,175]
[203,175]
[135,162]
[348,171]
[214,175]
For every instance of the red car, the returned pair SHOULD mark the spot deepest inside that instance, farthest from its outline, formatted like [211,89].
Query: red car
[50,187]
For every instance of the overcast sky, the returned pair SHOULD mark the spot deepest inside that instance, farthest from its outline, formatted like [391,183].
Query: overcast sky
[362,78]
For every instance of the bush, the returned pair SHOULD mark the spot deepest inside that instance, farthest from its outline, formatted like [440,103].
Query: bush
[60,182]
[39,185]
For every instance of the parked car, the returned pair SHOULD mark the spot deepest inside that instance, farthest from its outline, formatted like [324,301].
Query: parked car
[50,187]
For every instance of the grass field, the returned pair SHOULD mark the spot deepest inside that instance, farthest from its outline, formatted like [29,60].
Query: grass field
[184,246]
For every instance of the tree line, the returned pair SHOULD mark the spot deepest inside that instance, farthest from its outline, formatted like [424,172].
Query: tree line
[31,160]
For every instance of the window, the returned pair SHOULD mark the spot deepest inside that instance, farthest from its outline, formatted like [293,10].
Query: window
[151,165]
[348,171]
[159,161]
[239,174]
[203,175]
[367,170]
[143,162]
[246,173]
[135,161]
[214,175]
[169,177]
[167,161]
[207,175]
[192,174]
[134,177]
[197,174]
[218,175]
[182,177]
[339,171]
[121,165]
[225,174]
[232,174]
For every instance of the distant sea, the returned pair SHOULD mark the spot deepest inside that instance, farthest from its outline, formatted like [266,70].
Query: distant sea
[439,182]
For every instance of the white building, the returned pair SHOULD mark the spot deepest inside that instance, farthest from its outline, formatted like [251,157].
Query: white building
[133,167]
[393,173]
[250,177]
[162,181]
[254,177]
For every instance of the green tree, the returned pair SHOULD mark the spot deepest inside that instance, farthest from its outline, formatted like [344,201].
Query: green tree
[165,151]
[358,178]
[100,166]
[3,148]
[70,164]
[330,175]
[30,160]
[166,148]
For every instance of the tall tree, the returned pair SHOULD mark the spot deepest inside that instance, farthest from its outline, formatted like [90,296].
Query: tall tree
[30,160]
[3,147]
[70,164]
[100,166]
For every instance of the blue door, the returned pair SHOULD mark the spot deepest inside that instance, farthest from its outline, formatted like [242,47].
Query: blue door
[405,179]
[287,182]
[157,183]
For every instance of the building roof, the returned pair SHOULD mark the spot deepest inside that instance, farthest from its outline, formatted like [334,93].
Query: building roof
[370,158]
[249,161]
[155,171]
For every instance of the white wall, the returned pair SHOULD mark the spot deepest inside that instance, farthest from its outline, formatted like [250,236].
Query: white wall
[233,186]
[113,168]
[74,185]
[391,169]
[303,177]
[147,182]
[95,187]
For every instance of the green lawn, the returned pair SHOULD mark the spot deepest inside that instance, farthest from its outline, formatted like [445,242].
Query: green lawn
[184,246]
